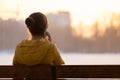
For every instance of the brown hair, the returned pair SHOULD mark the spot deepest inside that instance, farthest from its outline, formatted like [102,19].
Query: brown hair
[37,24]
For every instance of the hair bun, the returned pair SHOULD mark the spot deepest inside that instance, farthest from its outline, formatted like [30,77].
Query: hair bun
[29,21]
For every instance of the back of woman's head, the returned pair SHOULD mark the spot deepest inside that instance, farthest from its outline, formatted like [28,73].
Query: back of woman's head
[37,23]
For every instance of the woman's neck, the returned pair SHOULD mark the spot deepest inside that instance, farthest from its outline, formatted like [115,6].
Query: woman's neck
[37,37]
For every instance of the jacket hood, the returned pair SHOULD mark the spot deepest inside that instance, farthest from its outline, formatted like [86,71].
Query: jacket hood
[32,52]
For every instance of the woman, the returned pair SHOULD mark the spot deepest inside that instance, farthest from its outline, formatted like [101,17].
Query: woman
[37,50]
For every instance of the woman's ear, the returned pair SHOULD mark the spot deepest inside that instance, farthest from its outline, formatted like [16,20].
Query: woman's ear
[48,35]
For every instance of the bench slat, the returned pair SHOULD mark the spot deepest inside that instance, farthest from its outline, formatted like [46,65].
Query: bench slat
[42,72]
[7,71]
[88,71]
[62,71]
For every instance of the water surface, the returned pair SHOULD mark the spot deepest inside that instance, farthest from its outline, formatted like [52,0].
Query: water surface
[74,58]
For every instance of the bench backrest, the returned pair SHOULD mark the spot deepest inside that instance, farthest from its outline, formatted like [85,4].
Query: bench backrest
[63,71]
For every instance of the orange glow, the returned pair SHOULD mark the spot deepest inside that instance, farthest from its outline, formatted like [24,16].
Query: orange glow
[92,11]
[84,13]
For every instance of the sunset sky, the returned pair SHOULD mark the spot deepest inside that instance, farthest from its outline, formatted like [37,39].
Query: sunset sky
[85,11]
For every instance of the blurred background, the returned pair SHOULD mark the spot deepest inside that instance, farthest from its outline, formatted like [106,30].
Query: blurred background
[85,31]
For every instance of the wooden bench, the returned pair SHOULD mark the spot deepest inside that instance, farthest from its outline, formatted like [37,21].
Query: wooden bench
[63,71]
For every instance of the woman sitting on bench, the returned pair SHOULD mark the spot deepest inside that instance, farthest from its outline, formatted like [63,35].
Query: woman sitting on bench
[37,50]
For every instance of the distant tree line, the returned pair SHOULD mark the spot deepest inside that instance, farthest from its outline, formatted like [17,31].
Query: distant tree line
[13,31]
[109,42]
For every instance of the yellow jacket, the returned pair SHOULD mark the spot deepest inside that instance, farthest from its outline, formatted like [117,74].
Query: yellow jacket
[33,52]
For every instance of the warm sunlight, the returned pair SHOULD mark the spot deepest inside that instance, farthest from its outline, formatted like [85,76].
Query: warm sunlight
[84,13]
[90,10]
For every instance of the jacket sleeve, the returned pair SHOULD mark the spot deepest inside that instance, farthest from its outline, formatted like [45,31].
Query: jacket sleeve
[14,62]
[57,57]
